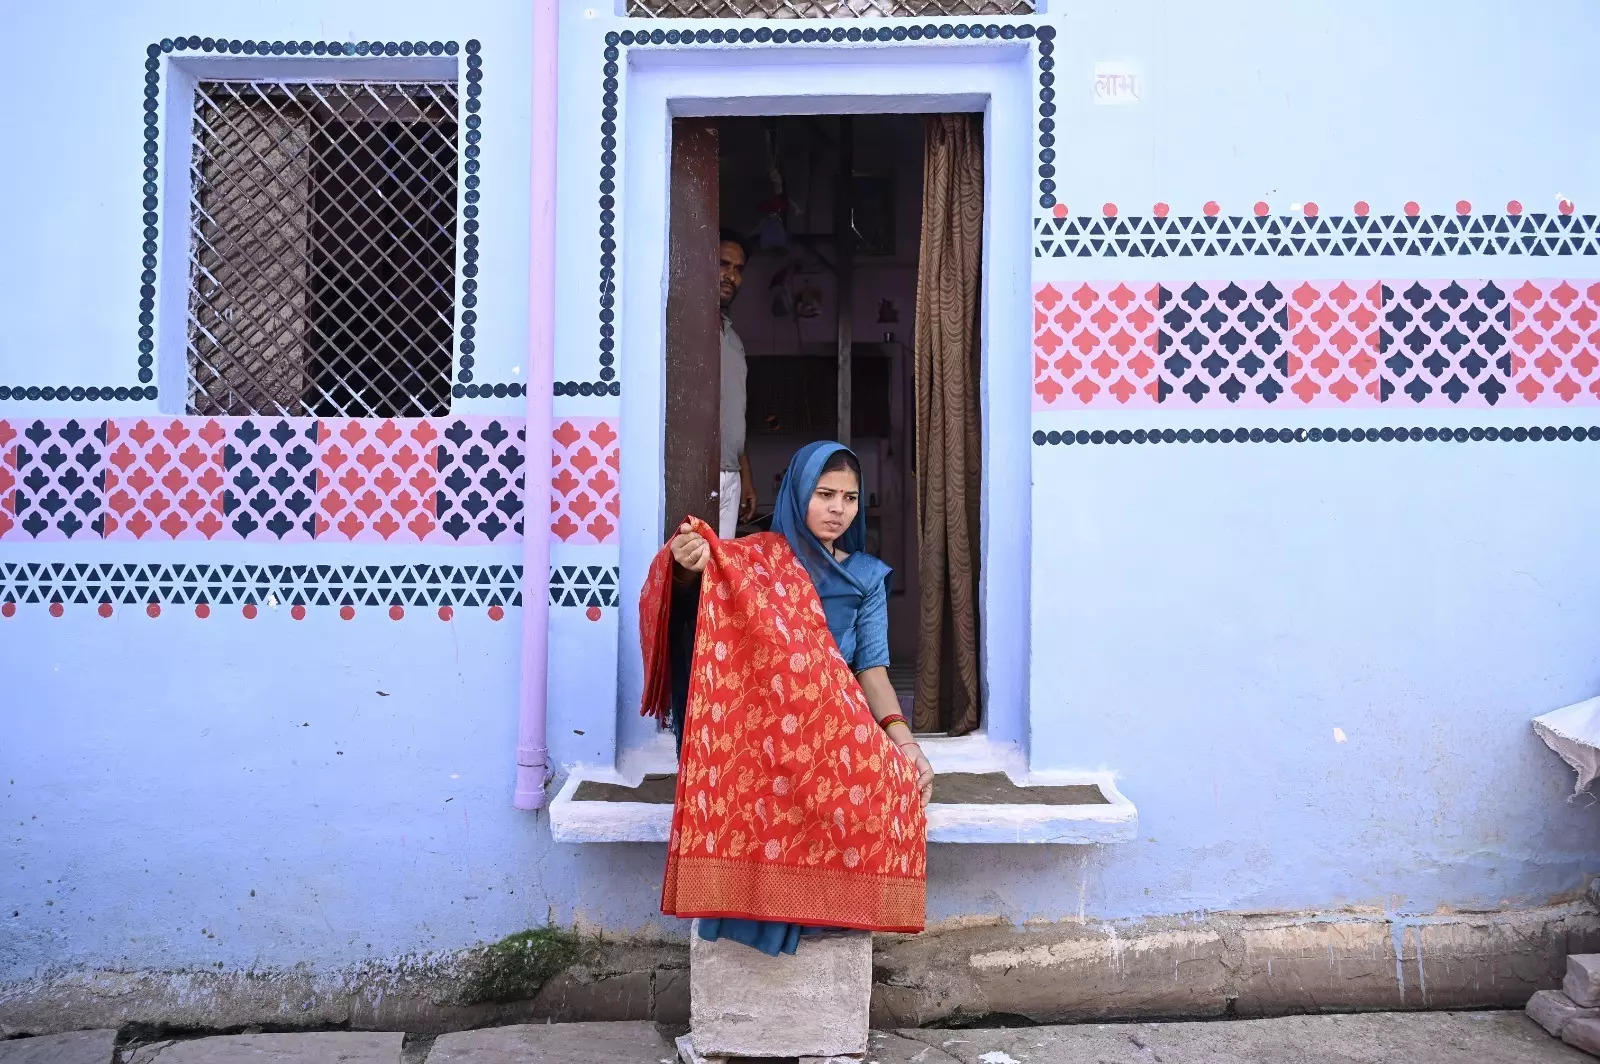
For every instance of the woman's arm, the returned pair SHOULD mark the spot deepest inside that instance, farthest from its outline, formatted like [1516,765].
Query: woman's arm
[883,702]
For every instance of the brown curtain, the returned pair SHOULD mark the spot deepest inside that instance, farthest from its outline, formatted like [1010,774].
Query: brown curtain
[948,454]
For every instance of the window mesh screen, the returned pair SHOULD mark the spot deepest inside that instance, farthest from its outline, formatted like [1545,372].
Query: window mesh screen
[322,248]
[823,8]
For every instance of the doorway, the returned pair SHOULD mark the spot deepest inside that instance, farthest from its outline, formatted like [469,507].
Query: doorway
[829,213]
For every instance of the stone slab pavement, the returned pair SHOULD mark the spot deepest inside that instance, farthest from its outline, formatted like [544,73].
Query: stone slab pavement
[1369,1038]
[74,1047]
[312,1047]
[557,1043]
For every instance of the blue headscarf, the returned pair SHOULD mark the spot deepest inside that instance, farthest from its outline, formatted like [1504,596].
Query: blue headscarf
[840,590]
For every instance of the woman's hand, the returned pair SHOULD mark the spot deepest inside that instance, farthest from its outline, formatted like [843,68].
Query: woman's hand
[747,500]
[924,770]
[690,549]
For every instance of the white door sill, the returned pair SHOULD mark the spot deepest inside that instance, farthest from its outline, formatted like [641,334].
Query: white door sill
[1082,809]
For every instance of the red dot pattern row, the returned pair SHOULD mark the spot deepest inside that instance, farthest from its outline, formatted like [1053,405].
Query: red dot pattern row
[250,611]
[1361,209]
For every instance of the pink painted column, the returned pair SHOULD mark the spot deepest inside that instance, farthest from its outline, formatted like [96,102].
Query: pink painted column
[533,753]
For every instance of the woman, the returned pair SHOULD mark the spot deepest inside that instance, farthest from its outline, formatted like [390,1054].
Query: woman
[792,811]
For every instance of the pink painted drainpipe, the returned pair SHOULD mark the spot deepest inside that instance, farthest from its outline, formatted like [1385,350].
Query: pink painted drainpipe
[533,755]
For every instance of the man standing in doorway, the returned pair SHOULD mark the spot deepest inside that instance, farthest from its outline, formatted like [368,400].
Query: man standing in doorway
[737,491]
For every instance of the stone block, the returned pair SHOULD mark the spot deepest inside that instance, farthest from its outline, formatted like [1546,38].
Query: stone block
[555,1043]
[743,1003]
[1584,1035]
[1553,1010]
[688,1054]
[314,1047]
[1582,983]
[73,1047]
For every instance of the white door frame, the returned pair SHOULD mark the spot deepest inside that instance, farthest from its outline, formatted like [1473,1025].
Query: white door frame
[990,77]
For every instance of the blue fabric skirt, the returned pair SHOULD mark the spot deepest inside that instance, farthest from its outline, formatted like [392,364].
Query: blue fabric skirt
[769,936]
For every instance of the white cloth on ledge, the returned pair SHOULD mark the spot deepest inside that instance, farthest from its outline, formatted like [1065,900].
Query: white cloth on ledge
[1574,733]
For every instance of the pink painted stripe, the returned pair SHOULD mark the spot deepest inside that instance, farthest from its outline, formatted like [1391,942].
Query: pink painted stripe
[450,481]
[1316,344]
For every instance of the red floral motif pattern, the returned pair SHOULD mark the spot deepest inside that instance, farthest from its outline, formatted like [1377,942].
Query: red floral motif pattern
[163,479]
[8,478]
[276,480]
[792,804]
[1316,343]
[1333,342]
[1555,342]
[584,502]
[377,480]
[1095,345]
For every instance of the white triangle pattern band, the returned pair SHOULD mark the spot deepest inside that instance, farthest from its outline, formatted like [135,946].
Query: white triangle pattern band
[1191,236]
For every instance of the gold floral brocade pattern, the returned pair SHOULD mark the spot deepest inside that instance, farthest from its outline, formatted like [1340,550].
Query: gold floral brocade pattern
[792,803]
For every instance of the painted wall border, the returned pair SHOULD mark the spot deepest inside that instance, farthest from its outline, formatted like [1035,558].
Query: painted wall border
[253,587]
[1329,434]
[1311,234]
[452,480]
[1301,343]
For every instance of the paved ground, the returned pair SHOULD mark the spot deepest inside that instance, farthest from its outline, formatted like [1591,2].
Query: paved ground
[1372,1038]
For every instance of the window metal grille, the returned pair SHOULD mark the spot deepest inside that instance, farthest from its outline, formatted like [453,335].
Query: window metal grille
[322,248]
[823,8]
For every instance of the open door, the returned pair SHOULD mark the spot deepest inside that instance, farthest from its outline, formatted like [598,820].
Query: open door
[870,230]
[694,326]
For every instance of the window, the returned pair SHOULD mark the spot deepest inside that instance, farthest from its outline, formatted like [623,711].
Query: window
[322,248]
[823,8]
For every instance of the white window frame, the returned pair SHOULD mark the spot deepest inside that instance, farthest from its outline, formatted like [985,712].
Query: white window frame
[180,77]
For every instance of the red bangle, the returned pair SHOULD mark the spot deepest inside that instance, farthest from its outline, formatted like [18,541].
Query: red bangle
[893,718]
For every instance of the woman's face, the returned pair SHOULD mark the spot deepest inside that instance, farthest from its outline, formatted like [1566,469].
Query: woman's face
[833,505]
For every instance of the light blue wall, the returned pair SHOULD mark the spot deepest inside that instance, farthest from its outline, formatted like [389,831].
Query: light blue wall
[1203,617]
[1211,613]
[1222,610]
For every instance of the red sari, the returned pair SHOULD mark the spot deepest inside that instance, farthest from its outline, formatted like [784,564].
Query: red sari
[792,804]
